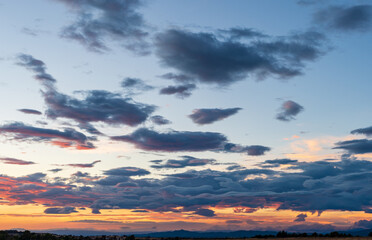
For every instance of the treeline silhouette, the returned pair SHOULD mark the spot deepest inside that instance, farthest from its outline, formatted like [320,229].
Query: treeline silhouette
[284,234]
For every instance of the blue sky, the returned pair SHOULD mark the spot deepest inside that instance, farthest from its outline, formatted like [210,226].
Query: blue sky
[236,84]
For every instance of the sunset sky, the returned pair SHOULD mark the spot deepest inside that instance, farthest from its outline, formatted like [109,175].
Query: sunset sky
[157,115]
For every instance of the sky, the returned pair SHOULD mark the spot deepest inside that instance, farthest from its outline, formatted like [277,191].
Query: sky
[203,115]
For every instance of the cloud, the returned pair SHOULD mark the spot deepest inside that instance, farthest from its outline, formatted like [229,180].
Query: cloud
[345,18]
[38,67]
[211,115]
[83,165]
[289,110]
[67,138]
[304,187]
[239,32]
[253,150]
[180,91]
[205,212]
[313,227]
[210,59]
[30,111]
[64,210]
[366,131]
[15,161]
[135,84]
[278,162]
[367,224]
[300,218]
[126,171]
[100,21]
[187,161]
[96,106]
[55,170]
[95,221]
[160,120]
[173,141]
[357,146]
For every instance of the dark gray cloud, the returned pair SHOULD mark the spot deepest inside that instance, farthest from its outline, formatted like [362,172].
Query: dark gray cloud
[126,171]
[253,150]
[367,224]
[213,60]
[187,161]
[205,212]
[30,111]
[160,120]
[300,218]
[96,105]
[289,110]
[173,141]
[277,162]
[100,21]
[67,138]
[133,85]
[306,187]
[15,161]
[55,170]
[177,77]
[63,210]
[38,67]
[238,32]
[358,146]
[366,131]
[180,91]
[210,115]
[83,165]
[177,141]
[346,18]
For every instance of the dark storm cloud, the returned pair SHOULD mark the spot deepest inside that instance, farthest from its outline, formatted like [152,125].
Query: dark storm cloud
[67,138]
[289,110]
[211,115]
[64,210]
[212,60]
[366,131]
[180,91]
[96,105]
[30,111]
[205,212]
[83,165]
[173,141]
[187,161]
[346,18]
[358,146]
[15,161]
[300,218]
[126,171]
[160,120]
[100,21]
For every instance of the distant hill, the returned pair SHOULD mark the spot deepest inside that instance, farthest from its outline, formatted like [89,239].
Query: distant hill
[192,234]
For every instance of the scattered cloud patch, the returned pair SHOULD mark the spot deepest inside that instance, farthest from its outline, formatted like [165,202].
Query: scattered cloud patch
[30,111]
[366,131]
[289,110]
[346,18]
[180,91]
[160,120]
[100,21]
[15,161]
[63,210]
[187,161]
[357,146]
[300,218]
[211,115]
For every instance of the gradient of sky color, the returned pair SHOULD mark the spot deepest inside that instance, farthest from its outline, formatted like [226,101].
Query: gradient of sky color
[259,131]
